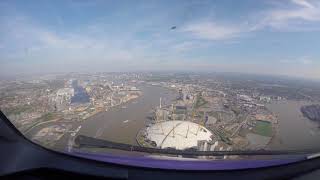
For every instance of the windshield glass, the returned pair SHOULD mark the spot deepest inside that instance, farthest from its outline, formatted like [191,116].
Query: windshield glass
[170,77]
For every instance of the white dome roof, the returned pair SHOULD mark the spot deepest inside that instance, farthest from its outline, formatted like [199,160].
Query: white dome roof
[177,134]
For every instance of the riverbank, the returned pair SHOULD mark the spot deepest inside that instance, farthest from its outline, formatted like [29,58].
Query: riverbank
[123,124]
[294,130]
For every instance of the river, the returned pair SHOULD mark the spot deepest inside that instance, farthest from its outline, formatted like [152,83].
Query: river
[294,131]
[121,124]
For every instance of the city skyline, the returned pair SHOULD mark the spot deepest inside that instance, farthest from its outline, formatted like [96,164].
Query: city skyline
[265,37]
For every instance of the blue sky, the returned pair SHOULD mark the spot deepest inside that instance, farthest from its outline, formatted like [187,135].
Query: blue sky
[268,37]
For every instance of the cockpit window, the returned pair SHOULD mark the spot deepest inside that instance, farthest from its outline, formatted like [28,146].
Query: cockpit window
[176,78]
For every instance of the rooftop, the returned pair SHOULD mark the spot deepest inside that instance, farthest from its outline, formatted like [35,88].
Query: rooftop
[177,134]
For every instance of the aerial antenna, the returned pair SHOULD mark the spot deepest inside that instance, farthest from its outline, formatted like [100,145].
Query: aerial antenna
[159,121]
[187,131]
[173,120]
[111,99]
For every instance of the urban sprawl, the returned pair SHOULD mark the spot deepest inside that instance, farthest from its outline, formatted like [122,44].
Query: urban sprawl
[211,112]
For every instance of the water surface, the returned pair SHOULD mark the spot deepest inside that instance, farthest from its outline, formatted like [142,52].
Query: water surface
[122,124]
[295,131]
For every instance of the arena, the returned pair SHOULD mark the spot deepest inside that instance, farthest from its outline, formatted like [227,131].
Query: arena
[177,134]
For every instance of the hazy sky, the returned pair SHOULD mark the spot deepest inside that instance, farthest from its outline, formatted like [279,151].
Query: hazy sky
[270,37]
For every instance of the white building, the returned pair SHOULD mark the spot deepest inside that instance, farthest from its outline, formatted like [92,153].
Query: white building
[65,92]
[63,98]
[177,134]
